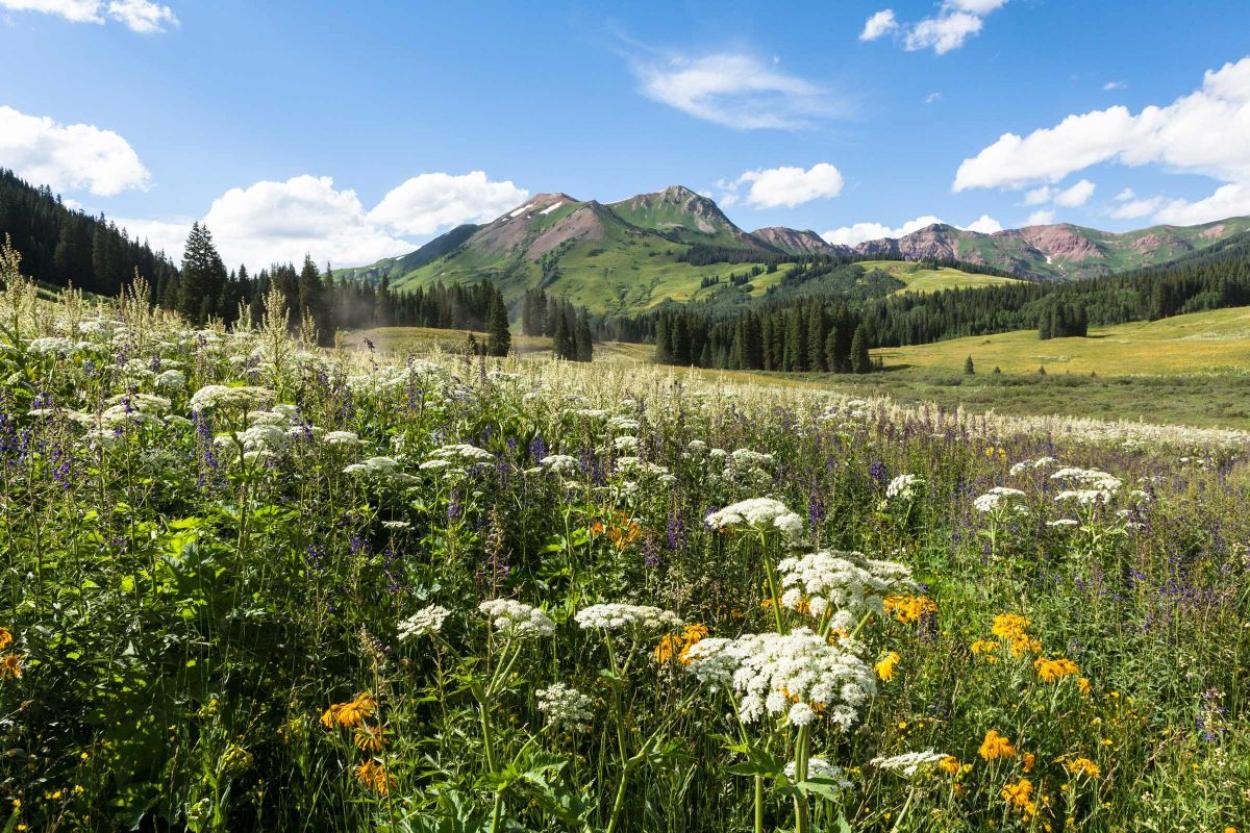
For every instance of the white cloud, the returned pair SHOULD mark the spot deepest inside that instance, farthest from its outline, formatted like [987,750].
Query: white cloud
[1114,85]
[949,29]
[142,16]
[943,33]
[75,11]
[785,186]
[880,24]
[1129,209]
[1230,200]
[70,157]
[1125,195]
[169,237]
[932,97]
[270,221]
[985,224]
[733,89]
[1040,218]
[1205,132]
[1078,194]
[862,232]
[428,202]
[1039,196]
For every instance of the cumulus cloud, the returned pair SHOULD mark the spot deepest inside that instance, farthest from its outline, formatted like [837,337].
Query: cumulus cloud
[880,24]
[69,157]
[1043,217]
[1205,132]
[272,221]
[949,29]
[429,202]
[785,186]
[862,232]
[985,224]
[1078,194]
[1039,196]
[733,89]
[142,16]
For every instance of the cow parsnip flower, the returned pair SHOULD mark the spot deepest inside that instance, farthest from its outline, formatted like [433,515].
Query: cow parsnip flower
[626,616]
[517,620]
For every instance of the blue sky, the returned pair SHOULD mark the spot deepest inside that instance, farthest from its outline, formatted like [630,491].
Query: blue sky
[357,130]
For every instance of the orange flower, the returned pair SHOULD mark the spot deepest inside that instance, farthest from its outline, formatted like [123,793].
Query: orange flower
[11,666]
[1028,759]
[1014,629]
[908,609]
[1019,797]
[370,738]
[6,638]
[996,746]
[1051,670]
[350,714]
[670,645]
[1083,766]
[374,777]
[950,765]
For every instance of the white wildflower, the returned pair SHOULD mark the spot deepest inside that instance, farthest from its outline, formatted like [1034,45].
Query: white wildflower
[910,763]
[565,707]
[622,616]
[516,619]
[904,487]
[424,622]
[760,512]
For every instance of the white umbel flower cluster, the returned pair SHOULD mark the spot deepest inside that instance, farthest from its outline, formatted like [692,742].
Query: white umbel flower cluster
[904,487]
[424,622]
[847,582]
[1090,486]
[819,769]
[612,617]
[517,620]
[997,497]
[458,454]
[759,513]
[909,764]
[210,397]
[799,675]
[564,707]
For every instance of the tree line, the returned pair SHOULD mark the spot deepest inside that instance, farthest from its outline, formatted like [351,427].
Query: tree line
[569,327]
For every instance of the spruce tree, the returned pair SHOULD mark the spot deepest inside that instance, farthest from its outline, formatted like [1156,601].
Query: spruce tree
[203,275]
[500,337]
[583,339]
[969,368]
[860,362]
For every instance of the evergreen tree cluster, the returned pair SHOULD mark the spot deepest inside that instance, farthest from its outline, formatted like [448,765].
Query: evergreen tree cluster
[1060,320]
[60,245]
[794,337]
[569,327]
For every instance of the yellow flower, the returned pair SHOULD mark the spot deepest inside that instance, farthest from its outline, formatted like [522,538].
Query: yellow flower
[6,638]
[996,746]
[10,666]
[693,633]
[1083,684]
[1019,797]
[1083,766]
[908,609]
[1051,670]
[350,714]
[1014,629]
[949,765]
[370,738]
[668,647]
[1028,759]
[885,666]
[373,776]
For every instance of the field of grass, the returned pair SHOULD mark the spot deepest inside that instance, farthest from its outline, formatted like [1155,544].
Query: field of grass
[920,278]
[253,585]
[1195,343]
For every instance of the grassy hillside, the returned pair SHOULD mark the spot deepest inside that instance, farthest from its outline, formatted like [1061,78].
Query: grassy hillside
[1194,343]
[921,278]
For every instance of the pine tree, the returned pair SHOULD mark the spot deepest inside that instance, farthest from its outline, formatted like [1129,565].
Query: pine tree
[203,275]
[860,362]
[816,331]
[561,341]
[583,339]
[500,337]
[969,369]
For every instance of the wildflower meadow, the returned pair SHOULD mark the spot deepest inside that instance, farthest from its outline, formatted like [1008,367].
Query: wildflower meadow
[251,584]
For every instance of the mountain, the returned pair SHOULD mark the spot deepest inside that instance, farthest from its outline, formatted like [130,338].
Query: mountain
[794,242]
[620,257]
[674,244]
[1056,252]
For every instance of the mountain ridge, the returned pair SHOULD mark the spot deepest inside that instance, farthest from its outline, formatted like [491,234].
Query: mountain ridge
[673,243]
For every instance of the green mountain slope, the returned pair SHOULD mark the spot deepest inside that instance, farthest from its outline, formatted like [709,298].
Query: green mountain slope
[1057,252]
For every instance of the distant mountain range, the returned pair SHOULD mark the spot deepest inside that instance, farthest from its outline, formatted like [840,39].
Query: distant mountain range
[667,245]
